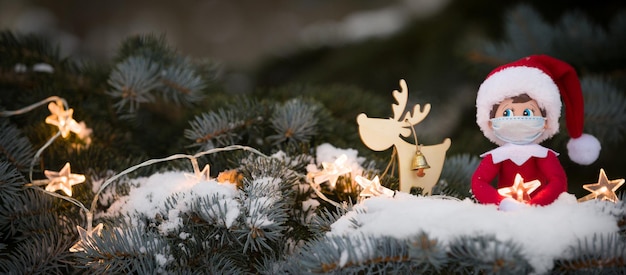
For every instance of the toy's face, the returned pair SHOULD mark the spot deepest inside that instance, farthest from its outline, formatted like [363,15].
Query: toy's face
[518,122]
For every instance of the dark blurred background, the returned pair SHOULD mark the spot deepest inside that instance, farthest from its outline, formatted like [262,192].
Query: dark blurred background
[367,43]
[347,40]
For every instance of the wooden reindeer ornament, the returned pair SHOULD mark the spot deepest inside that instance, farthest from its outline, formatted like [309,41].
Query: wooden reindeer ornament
[380,134]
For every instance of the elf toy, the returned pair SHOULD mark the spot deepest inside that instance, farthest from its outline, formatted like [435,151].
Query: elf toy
[517,107]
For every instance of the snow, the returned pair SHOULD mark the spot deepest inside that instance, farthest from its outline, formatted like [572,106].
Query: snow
[310,204]
[343,259]
[149,195]
[20,68]
[161,259]
[43,68]
[184,235]
[328,153]
[544,233]
[39,67]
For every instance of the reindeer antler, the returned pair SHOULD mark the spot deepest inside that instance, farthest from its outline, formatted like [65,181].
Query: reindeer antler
[402,96]
[417,116]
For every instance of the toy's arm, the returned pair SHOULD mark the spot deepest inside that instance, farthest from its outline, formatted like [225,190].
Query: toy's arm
[482,189]
[557,181]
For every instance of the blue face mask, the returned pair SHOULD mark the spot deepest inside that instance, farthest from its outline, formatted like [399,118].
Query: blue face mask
[518,129]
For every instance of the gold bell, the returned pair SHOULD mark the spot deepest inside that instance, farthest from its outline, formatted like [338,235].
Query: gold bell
[419,161]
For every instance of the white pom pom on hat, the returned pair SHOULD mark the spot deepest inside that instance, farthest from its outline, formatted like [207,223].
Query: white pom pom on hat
[584,149]
[548,81]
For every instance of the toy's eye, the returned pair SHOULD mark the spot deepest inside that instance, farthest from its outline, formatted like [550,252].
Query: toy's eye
[507,112]
[527,112]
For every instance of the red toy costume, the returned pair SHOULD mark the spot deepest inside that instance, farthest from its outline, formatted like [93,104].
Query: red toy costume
[531,162]
[545,80]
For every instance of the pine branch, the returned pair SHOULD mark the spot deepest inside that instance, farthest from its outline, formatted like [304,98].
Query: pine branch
[321,223]
[573,38]
[35,230]
[14,147]
[39,254]
[125,249]
[208,263]
[11,181]
[239,121]
[133,81]
[181,84]
[429,254]
[149,46]
[266,202]
[605,110]
[27,49]
[305,201]
[217,216]
[600,254]
[596,49]
[218,212]
[29,212]
[215,129]
[456,175]
[368,255]
[294,122]
[486,255]
[621,215]
[147,68]
[526,33]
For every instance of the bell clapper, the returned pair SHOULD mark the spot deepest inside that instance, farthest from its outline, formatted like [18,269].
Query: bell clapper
[420,172]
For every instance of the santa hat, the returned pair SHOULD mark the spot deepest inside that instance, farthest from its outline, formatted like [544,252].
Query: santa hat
[546,80]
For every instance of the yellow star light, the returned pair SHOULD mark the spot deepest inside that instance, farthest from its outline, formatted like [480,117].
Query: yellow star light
[85,237]
[332,170]
[63,119]
[198,175]
[520,190]
[80,129]
[205,174]
[373,187]
[63,180]
[604,189]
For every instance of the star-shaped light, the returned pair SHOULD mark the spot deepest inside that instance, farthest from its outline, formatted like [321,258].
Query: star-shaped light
[198,175]
[80,129]
[332,170]
[63,119]
[63,180]
[372,188]
[604,189]
[85,237]
[520,190]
